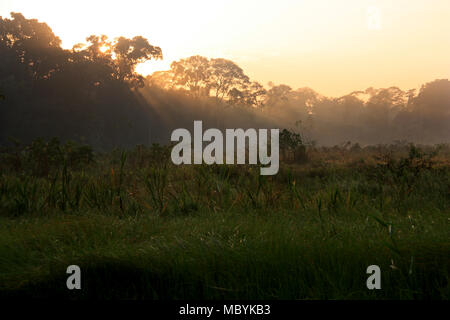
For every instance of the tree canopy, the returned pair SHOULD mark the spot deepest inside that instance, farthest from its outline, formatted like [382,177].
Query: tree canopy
[93,92]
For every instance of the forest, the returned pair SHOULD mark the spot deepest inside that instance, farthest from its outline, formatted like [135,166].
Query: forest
[93,94]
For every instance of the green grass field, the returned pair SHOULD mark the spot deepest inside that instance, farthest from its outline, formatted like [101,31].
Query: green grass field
[140,227]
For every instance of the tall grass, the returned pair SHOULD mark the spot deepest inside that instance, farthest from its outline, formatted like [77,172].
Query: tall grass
[140,227]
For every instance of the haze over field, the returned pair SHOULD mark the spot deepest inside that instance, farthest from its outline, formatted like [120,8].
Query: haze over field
[334,47]
[114,74]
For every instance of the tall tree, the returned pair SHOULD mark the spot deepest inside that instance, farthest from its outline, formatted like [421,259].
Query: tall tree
[122,55]
[225,75]
[193,74]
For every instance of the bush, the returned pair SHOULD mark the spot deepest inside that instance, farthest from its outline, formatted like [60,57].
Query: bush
[292,147]
[39,157]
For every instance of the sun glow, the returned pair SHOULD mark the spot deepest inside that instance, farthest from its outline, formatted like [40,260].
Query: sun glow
[373,18]
[151,66]
[103,49]
[332,46]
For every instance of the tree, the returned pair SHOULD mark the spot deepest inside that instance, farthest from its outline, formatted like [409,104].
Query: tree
[130,52]
[122,55]
[252,94]
[349,108]
[430,111]
[162,79]
[224,76]
[256,94]
[29,45]
[192,74]
[278,94]
[433,98]
[383,105]
[82,93]
[292,143]
[199,76]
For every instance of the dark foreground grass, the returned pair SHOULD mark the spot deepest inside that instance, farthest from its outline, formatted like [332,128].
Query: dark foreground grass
[233,256]
[163,232]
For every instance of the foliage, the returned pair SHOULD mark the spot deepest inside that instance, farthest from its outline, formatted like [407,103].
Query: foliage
[93,93]
[141,228]
[292,143]
[86,92]
[40,157]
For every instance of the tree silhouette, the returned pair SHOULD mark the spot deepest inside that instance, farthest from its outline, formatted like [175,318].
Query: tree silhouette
[278,94]
[122,55]
[192,74]
[225,75]
[129,53]
[82,93]
[200,76]
[252,94]
[93,92]
[30,44]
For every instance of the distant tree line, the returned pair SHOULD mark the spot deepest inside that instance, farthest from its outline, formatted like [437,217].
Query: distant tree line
[92,93]
[220,78]
[370,116]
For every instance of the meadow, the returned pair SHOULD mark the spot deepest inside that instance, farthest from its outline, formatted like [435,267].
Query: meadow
[140,227]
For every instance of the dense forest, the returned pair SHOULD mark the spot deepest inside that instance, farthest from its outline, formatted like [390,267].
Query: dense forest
[92,93]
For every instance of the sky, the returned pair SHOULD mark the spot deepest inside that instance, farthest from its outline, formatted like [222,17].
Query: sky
[333,47]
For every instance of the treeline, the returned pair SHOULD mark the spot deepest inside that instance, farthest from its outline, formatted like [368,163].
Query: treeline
[92,93]
[371,116]
[86,93]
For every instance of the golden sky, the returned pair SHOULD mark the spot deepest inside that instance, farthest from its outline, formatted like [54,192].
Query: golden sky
[331,46]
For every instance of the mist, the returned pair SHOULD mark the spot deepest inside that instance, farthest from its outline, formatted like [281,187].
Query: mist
[93,94]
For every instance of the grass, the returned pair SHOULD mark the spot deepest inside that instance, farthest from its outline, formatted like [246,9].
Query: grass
[140,227]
